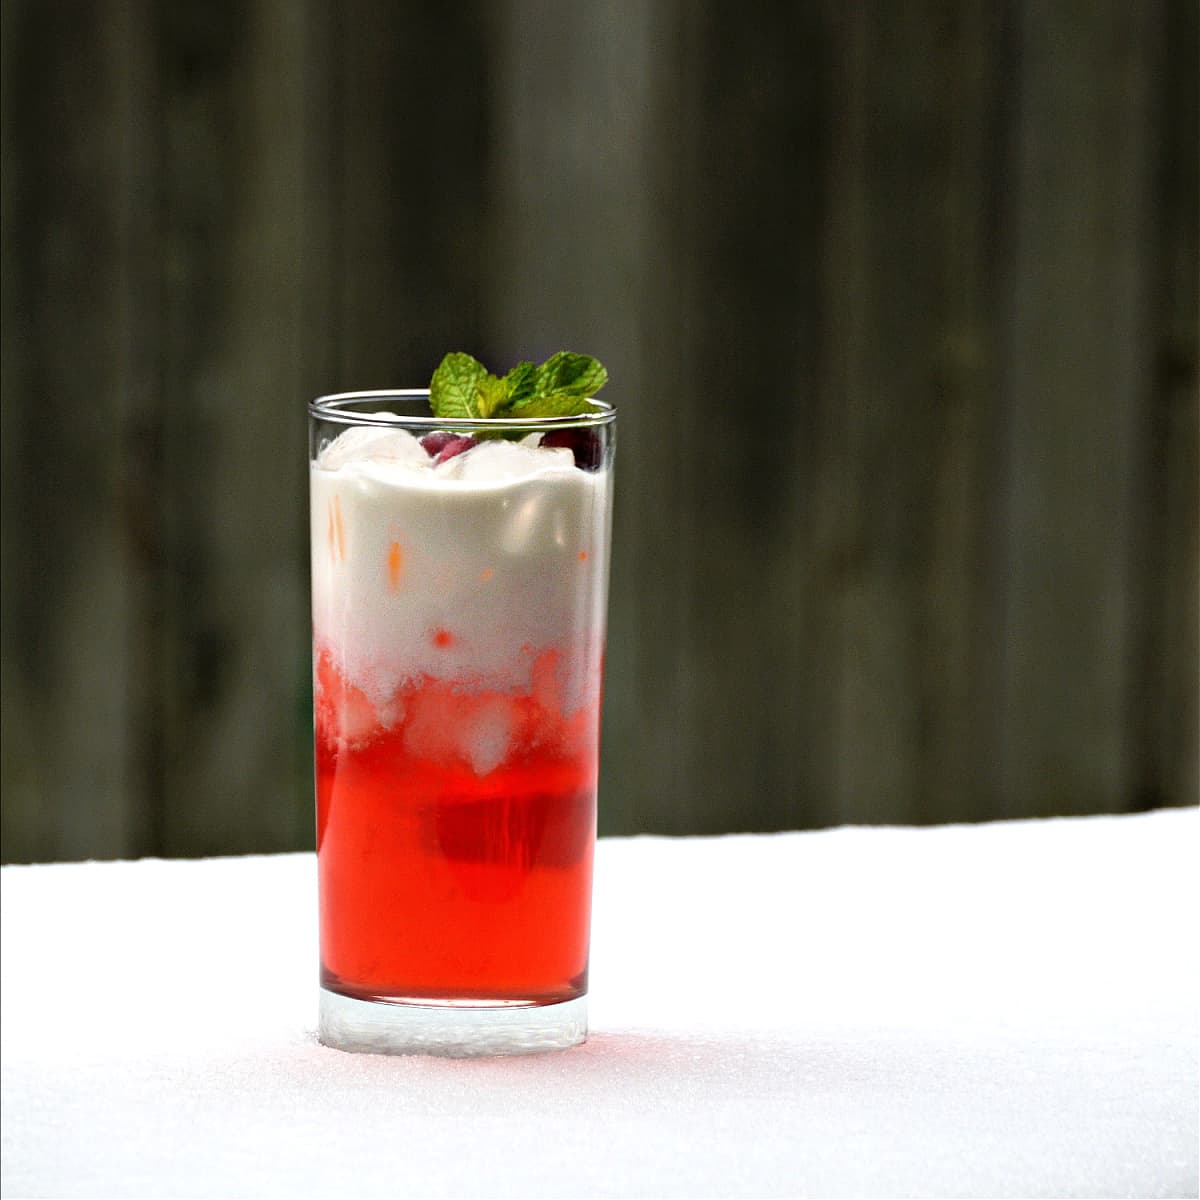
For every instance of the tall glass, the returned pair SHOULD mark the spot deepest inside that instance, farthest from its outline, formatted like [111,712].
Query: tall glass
[459,587]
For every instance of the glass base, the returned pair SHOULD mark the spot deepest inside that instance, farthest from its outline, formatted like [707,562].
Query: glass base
[454,1031]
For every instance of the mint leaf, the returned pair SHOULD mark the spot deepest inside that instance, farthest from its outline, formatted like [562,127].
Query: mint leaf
[454,388]
[561,404]
[520,382]
[491,396]
[574,374]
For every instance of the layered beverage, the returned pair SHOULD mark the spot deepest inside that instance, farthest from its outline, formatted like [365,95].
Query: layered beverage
[459,587]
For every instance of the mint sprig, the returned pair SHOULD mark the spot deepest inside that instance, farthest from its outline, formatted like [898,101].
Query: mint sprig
[463,388]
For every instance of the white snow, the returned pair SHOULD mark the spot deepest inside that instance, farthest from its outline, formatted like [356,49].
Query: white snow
[1005,1010]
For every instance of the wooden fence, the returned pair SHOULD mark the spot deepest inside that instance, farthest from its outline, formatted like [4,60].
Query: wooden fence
[900,305]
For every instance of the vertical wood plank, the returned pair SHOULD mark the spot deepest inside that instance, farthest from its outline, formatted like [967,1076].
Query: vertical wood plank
[1173,769]
[908,406]
[1164,703]
[234,659]
[72,382]
[751,184]
[1077,376]
[958,672]
[412,85]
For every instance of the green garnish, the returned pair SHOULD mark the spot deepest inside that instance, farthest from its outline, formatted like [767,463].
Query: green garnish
[463,388]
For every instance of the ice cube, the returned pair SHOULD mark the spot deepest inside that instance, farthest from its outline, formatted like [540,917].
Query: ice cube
[373,443]
[499,461]
[486,737]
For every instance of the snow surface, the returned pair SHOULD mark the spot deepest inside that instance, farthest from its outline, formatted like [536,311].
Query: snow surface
[998,1010]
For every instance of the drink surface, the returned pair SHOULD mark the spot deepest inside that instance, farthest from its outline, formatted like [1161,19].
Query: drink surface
[458,615]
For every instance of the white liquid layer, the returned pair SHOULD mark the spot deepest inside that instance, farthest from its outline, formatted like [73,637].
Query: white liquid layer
[464,571]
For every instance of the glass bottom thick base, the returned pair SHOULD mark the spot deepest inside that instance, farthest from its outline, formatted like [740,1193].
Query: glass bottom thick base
[453,1031]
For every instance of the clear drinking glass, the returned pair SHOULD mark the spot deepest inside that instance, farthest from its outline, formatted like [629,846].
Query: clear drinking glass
[459,586]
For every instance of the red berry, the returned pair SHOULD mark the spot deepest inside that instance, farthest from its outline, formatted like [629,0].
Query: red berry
[443,445]
[583,443]
[435,442]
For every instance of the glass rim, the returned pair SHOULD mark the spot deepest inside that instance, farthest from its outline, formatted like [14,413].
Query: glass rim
[336,407]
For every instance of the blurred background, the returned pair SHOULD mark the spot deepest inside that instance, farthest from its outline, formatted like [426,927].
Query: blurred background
[899,303]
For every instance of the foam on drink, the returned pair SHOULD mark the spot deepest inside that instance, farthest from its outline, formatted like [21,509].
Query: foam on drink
[451,570]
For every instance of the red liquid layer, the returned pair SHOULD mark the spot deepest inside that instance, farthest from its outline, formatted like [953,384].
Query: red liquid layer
[444,876]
